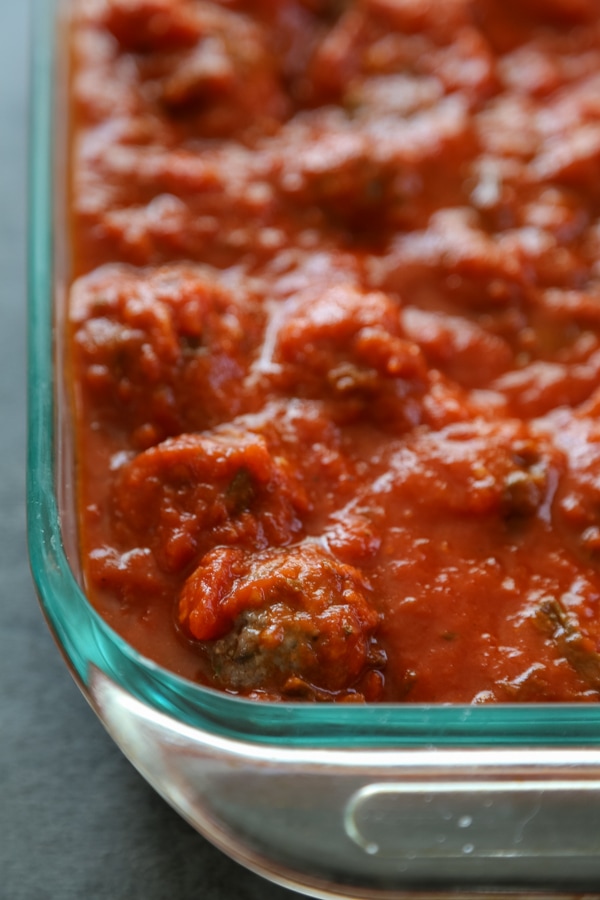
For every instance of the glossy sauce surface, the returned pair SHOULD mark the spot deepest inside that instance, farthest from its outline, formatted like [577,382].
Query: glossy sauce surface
[335,342]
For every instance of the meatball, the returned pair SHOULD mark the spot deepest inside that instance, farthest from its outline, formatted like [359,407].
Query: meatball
[168,349]
[369,173]
[479,468]
[201,59]
[293,621]
[144,26]
[190,493]
[349,346]
[301,433]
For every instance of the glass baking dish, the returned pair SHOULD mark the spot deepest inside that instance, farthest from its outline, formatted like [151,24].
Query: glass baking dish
[354,801]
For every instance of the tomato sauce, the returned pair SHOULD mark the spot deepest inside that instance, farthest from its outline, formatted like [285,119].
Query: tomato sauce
[335,342]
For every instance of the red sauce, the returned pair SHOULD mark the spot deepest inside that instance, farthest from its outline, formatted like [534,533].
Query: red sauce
[335,342]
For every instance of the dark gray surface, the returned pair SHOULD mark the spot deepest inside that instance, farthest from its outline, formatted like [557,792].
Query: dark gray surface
[76,820]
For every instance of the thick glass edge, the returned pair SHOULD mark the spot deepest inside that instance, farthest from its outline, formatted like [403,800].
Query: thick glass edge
[83,636]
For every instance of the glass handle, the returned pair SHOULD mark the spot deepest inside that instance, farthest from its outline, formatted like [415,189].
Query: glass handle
[483,819]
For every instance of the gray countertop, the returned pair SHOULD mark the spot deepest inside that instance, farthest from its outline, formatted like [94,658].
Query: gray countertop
[76,820]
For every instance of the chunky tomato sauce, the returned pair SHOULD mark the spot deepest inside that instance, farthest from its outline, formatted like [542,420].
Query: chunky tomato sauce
[335,342]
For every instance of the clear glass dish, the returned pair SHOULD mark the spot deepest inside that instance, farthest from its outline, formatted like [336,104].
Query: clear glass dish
[360,801]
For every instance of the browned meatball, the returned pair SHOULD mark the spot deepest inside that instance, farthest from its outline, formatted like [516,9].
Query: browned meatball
[290,621]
